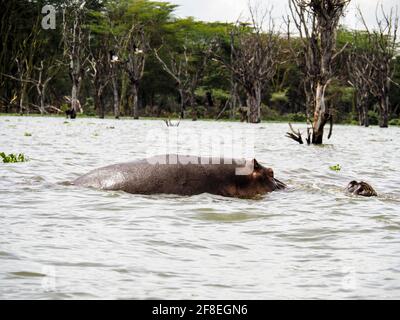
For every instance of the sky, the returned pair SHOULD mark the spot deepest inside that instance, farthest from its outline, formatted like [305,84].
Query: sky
[230,10]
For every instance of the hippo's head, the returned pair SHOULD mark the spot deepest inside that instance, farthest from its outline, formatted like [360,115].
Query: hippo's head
[260,181]
[353,185]
[361,188]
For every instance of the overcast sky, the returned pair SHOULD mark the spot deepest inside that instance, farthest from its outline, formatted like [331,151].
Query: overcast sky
[230,10]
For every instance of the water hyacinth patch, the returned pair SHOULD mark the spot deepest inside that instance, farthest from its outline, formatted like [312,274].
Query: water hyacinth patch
[336,168]
[13,158]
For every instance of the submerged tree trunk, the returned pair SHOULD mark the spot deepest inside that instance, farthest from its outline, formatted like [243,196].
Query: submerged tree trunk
[182,103]
[234,99]
[321,116]
[135,96]
[384,111]
[42,107]
[365,115]
[254,104]
[362,109]
[116,98]
[74,96]
[22,99]
[99,105]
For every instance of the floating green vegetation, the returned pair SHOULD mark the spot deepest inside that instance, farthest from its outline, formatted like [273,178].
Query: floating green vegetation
[28,134]
[66,122]
[13,158]
[336,168]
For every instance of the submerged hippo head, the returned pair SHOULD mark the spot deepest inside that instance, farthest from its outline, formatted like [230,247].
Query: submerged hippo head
[361,189]
[260,181]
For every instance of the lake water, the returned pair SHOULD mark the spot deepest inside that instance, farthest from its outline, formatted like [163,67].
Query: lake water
[310,241]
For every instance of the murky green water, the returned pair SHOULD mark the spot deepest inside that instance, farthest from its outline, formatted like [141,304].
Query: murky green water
[311,241]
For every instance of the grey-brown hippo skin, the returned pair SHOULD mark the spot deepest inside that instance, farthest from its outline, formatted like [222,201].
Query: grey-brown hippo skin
[147,177]
[361,189]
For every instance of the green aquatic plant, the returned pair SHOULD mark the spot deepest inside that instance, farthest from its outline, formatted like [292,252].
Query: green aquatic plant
[336,168]
[13,158]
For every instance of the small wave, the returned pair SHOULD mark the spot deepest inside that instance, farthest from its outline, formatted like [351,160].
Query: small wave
[226,217]
[27,274]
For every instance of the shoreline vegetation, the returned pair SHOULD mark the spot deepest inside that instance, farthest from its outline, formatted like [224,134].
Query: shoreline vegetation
[292,118]
[137,59]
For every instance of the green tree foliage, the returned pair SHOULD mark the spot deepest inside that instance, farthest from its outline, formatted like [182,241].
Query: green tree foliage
[30,53]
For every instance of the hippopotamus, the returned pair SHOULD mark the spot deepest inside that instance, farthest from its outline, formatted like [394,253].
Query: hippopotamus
[185,176]
[361,189]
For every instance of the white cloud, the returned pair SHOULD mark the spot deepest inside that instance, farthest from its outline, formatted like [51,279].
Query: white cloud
[231,10]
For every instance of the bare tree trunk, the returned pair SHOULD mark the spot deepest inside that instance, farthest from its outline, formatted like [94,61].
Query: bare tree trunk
[361,118]
[99,104]
[42,102]
[234,98]
[365,114]
[102,108]
[116,98]
[384,111]
[254,104]
[74,97]
[135,96]
[22,98]
[320,115]
[362,109]
[182,102]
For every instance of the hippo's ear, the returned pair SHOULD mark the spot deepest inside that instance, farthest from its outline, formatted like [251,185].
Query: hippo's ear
[256,165]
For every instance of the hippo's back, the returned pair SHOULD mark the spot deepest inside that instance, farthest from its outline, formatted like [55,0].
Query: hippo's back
[164,175]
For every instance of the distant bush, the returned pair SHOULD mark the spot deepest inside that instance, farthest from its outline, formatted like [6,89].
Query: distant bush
[297,117]
[88,107]
[64,107]
[279,97]
[270,114]
[373,118]
[394,122]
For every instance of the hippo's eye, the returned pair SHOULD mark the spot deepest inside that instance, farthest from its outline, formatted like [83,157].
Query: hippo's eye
[270,173]
[255,174]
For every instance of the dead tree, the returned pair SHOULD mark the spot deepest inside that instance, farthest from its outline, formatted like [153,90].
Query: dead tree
[75,38]
[380,53]
[24,71]
[360,73]
[100,74]
[317,22]
[134,48]
[45,75]
[114,67]
[187,69]
[253,59]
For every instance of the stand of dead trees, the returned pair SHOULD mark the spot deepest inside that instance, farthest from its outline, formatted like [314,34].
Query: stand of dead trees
[135,47]
[186,68]
[75,40]
[378,58]
[253,58]
[128,57]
